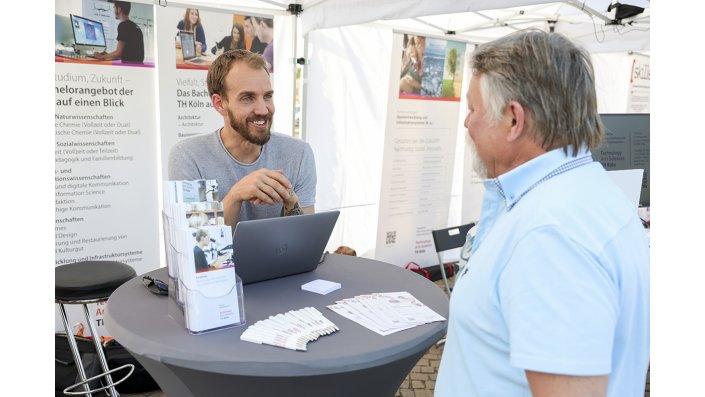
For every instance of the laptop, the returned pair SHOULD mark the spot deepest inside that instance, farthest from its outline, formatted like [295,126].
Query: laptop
[278,247]
[188,48]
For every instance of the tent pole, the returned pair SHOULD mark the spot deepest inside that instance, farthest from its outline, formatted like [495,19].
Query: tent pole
[586,9]
[304,84]
[295,10]
[295,67]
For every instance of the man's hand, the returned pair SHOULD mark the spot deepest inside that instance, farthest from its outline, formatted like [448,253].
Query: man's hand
[263,186]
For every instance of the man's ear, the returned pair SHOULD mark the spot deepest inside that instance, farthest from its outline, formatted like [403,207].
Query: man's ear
[218,104]
[515,112]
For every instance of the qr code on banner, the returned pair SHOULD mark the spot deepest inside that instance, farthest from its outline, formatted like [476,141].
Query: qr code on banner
[391,237]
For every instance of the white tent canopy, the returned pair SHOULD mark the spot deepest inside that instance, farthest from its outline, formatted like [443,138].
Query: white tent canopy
[588,22]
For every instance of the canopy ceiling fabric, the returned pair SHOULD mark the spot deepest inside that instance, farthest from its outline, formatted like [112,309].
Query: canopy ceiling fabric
[476,21]
[480,21]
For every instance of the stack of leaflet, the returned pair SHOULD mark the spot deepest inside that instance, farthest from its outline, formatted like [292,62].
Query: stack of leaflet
[199,253]
[291,330]
[386,313]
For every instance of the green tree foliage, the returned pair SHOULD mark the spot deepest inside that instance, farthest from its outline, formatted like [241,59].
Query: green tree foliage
[452,61]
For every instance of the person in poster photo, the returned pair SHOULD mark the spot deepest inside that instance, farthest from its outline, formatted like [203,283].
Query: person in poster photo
[251,32]
[265,33]
[236,40]
[263,174]
[203,240]
[412,64]
[192,23]
[130,41]
[554,298]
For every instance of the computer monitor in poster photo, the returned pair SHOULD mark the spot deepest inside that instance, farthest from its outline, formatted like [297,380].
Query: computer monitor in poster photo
[88,35]
[626,146]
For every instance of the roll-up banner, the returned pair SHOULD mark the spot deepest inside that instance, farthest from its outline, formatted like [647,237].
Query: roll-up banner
[190,40]
[419,149]
[105,164]
[639,85]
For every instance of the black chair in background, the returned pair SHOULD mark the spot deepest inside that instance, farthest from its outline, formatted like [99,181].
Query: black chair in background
[448,239]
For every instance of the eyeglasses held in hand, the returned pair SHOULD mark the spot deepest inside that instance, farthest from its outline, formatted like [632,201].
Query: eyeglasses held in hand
[155,286]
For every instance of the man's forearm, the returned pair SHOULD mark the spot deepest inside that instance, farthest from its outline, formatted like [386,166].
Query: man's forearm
[291,205]
[231,210]
[294,210]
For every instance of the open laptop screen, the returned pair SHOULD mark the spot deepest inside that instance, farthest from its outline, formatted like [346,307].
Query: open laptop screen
[188,45]
[280,247]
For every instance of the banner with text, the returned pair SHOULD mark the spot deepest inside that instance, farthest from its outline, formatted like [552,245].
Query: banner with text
[191,40]
[419,148]
[106,200]
[639,85]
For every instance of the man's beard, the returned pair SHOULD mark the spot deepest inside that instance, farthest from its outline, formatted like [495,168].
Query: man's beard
[242,127]
[477,165]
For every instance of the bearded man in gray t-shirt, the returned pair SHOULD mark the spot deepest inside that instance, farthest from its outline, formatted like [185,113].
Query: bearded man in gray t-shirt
[260,174]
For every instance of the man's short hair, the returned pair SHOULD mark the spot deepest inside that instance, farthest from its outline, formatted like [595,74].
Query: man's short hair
[124,7]
[222,65]
[552,78]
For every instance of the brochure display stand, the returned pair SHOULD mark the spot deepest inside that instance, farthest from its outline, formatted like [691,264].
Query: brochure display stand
[205,292]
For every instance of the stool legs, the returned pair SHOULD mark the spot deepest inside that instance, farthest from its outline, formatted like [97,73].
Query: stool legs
[98,349]
[74,348]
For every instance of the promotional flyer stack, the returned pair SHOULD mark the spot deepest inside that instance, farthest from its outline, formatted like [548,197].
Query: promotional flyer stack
[199,253]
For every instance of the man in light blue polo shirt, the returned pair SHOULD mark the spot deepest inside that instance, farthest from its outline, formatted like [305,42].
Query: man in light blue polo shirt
[554,300]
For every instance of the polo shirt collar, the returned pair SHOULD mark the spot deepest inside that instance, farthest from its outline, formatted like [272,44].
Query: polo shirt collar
[513,185]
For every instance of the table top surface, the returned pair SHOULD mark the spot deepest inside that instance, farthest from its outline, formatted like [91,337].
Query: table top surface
[141,321]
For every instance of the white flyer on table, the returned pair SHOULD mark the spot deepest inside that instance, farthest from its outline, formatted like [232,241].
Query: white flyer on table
[413,310]
[386,313]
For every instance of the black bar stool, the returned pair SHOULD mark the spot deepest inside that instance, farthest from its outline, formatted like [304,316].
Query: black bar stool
[81,283]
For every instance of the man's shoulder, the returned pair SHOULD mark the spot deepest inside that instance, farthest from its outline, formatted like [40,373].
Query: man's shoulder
[287,141]
[196,142]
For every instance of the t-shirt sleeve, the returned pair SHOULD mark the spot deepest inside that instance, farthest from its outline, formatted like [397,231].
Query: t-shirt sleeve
[182,164]
[560,305]
[305,186]
[121,32]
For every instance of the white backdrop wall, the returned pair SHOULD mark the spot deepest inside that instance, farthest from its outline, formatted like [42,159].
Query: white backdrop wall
[346,104]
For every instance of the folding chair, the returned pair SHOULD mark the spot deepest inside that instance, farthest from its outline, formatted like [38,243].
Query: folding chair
[447,239]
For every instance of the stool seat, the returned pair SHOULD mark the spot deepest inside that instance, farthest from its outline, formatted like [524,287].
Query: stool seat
[90,280]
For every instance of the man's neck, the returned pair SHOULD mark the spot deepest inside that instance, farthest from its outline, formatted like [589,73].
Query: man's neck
[241,149]
[267,37]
